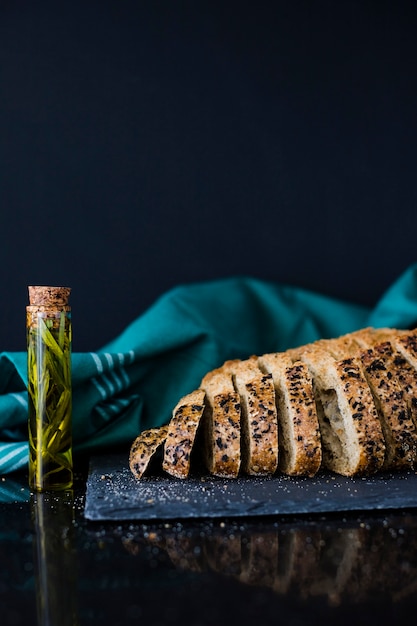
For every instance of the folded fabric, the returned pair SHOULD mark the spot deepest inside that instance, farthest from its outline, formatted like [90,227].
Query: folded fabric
[133,382]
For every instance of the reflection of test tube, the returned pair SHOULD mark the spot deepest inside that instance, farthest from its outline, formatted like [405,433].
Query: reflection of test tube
[52,516]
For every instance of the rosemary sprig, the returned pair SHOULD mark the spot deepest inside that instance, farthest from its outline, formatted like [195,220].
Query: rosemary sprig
[50,400]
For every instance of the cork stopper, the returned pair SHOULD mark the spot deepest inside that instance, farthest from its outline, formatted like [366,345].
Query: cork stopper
[49,296]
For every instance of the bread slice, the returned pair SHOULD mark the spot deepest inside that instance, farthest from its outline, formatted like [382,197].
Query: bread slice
[259,426]
[221,422]
[393,383]
[403,365]
[352,438]
[406,375]
[182,432]
[298,427]
[144,448]
[398,427]
[405,346]
[406,343]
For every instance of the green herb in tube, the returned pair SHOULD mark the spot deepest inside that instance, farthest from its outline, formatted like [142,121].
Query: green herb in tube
[49,336]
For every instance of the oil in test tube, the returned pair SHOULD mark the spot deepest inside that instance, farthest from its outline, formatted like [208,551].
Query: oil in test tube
[49,338]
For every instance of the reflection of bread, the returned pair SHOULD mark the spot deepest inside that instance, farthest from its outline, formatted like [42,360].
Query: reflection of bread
[224,553]
[343,562]
[348,405]
[262,559]
[185,553]
[306,553]
[285,561]
[334,570]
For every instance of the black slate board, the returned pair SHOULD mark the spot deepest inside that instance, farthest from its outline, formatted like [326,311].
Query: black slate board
[114,494]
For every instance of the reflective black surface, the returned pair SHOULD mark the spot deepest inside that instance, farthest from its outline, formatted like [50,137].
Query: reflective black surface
[59,568]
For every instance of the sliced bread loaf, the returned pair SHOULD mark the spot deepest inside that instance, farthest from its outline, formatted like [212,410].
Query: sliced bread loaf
[347,404]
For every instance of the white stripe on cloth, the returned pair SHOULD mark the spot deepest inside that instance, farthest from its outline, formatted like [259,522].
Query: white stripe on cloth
[100,388]
[109,409]
[122,369]
[109,359]
[21,398]
[13,456]
[110,382]
[97,361]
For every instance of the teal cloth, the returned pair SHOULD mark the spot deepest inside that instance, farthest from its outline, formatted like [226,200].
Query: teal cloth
[133,382]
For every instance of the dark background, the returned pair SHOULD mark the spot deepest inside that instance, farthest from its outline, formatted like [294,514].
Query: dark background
[149,144]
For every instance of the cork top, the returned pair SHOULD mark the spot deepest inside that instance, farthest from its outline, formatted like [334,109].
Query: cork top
[49,296]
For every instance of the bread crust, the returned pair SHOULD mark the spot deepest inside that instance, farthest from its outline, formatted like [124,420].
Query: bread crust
[393,385]
[144,448]
[299,433]
[221,424]
[259,426]
[352,438]
[346,404]
[405,360]
[398,427]
[182,432]
[406,343]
